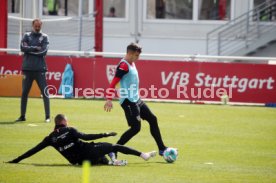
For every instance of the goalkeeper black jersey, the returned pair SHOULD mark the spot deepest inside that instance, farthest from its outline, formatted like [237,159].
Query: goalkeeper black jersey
[66,141]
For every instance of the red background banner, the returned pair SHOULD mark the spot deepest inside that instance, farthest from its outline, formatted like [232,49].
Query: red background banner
[173,80]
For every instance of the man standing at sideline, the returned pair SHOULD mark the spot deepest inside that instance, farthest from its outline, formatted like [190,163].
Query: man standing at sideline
[135,109]
[34,45]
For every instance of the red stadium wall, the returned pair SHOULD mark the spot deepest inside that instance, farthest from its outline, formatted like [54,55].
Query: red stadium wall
[173,80]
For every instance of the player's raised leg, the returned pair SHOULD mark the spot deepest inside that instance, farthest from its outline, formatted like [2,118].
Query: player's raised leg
[147,115]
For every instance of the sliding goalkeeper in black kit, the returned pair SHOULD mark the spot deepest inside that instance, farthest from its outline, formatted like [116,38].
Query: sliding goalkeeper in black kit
[68,142]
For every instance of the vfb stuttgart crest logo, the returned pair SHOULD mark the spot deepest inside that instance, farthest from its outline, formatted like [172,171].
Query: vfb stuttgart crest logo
[110,72]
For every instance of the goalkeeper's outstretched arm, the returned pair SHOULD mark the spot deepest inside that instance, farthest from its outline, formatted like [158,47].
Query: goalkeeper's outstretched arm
[84,136]
[31,152]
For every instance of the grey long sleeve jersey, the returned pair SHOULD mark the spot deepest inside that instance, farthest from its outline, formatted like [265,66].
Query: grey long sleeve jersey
[35,47]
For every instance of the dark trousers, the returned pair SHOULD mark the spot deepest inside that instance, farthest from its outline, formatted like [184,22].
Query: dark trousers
[40,78]
[95,152]
[134,112]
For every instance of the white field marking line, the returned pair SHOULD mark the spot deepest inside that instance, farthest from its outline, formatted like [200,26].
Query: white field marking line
[32,125]
[208,163]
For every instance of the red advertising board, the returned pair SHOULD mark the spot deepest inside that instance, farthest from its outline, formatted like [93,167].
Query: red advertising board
[254,83]
[209,80]
[82,67]
[173,80]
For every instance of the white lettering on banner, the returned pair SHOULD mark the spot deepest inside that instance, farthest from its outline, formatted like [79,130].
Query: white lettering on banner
[3,71]
[53,76]
[183,78]
[242,84]
[49,75]
[206,80]
[165,80]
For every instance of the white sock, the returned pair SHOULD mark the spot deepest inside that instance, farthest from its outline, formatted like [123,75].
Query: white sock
[148,155]
[145,156]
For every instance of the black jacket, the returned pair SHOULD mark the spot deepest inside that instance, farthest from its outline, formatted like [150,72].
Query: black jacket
[67,141]
[34,57]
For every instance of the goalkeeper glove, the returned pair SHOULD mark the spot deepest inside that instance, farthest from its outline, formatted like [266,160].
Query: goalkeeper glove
[14,161]
[110,134]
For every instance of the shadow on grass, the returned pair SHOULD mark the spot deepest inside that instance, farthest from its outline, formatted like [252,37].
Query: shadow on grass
[21,122]
[49,165]
[59,165]
[8,122]
[152,162]
[79,166]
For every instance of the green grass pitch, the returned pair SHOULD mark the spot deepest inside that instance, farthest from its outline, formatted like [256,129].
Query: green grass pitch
[216,143]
